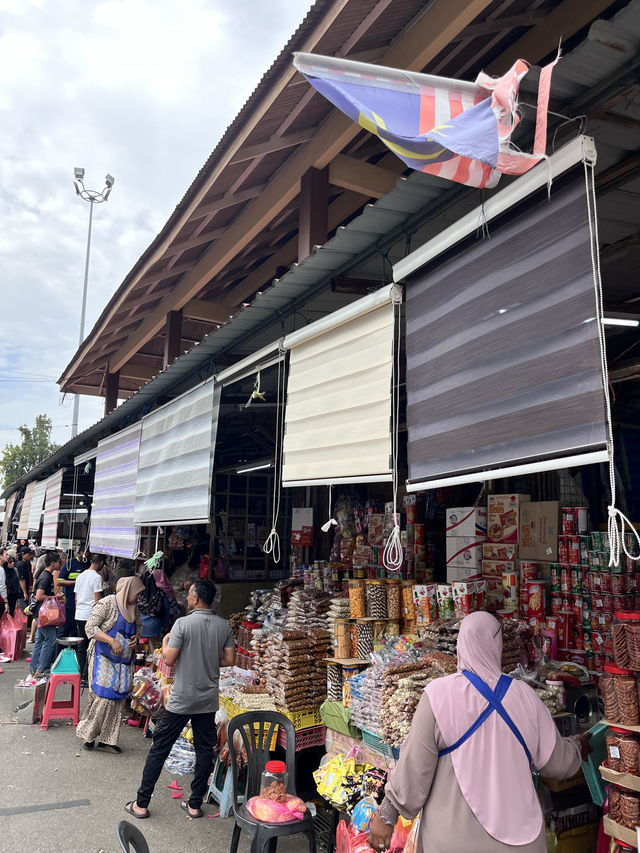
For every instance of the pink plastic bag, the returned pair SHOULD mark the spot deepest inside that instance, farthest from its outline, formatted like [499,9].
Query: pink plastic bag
[268,811]
[51,613]
[13,634]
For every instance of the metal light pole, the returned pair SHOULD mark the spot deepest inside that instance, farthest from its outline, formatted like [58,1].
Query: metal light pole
[93,197]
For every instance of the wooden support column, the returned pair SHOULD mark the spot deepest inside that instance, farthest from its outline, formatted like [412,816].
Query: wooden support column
[314,202]
[172,337]
[111,396]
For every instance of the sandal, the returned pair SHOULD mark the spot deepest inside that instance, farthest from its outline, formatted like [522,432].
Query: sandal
[88,744]
[129,808]
[107,747]
[187,808]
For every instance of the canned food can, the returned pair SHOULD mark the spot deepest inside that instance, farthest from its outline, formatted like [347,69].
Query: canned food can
[568,520]
[565,628]
[581,516]
[528,570]
[576,579]
[510,590]
[574,550]
[586,580]
[563,549]
[556,604]
[596,540]
[554,574]
[577,608]
[598,662]
[565,579]
[618,584]
[577,641]
[587,639]
[605,581]
[585,542]
[536,599]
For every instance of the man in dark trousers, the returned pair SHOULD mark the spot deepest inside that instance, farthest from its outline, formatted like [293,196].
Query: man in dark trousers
[199,644]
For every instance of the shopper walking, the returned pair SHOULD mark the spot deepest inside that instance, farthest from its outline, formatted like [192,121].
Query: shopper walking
[69,573]
[467,761]
[113,628]
[199,644]
[88,590]
[13,584]
[44,647]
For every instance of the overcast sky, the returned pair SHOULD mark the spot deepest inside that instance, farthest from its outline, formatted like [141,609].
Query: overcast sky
[142,89]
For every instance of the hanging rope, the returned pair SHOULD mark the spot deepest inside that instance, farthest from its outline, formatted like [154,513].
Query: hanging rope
[272,542]
[72,529]
[616,519]
[326,527]
[393,557]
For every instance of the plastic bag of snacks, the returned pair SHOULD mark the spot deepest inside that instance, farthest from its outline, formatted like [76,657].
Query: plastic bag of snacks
[284,810]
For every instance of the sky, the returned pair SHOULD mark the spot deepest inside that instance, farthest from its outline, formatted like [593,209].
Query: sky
[140,89]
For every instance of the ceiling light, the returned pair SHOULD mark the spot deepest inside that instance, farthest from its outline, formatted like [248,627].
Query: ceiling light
[258,466]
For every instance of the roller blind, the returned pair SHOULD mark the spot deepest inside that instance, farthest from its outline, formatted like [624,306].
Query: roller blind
[23,526]
[114,492]
[52,510]
[338,411]
[37,503]
[175,464]
[503,358]
[8,509]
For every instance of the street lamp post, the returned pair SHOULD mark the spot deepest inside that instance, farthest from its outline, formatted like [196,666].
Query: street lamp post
[93,197]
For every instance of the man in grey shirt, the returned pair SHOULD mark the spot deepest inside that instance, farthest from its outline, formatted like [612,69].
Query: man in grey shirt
[199,644]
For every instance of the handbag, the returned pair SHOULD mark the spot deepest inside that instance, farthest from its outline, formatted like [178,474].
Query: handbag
[31,606]
[51,613]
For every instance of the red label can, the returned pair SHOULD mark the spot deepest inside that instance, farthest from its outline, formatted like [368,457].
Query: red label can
[605,581]
[565,628]
[574,550]
[536,599]
[577,608]
[581,515]
[598,662]
[577,641]
[607,602]
[568,520]
[576,579]
[563,549]
[556,604]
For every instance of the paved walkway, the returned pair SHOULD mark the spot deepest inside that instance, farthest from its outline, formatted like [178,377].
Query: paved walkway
[71,800]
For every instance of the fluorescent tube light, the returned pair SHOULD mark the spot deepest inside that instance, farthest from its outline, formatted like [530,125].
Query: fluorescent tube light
[258,467]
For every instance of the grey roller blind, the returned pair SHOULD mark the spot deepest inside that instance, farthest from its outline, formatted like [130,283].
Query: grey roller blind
[175,464]
[8,510]
[112,528]
[52,510]
[503,365]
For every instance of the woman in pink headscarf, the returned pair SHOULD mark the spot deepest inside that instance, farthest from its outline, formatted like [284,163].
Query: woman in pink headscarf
[475,738]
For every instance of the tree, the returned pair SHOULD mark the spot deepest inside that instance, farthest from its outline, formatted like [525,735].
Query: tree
[34,447]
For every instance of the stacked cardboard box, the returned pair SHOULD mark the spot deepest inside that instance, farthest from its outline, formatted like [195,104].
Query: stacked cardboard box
[500,553]
[466,533]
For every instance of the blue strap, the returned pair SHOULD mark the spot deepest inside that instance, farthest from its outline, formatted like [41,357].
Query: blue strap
[494,698]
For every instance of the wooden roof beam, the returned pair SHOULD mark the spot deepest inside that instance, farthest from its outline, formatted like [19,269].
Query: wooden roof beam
[430,34]
[209,312]
[272,145]
[361,177]
[227,200]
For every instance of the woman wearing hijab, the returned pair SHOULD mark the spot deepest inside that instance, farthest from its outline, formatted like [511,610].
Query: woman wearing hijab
[467,761]
[113,629]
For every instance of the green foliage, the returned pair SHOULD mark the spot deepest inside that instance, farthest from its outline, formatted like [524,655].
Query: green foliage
[34,447]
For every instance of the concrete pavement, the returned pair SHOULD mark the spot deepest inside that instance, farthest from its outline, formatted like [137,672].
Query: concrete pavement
[80,795]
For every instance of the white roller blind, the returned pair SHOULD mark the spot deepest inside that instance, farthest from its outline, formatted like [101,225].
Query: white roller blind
[52,510]
[23,526]
[338,415]
[37,503]
[114,492]
[175,464]
[8,509]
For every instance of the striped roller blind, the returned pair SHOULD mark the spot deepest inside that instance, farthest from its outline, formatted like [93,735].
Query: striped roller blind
[23,526]
[52,510]
[8,510]
[114,492]
[503,358]
[37,503]
[175,465]
[338,414]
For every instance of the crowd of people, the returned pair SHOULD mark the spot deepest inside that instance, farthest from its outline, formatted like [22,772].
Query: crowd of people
[112,605]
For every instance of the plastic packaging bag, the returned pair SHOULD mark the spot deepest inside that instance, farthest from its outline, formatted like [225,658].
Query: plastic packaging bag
[51,613]
[270,811]
[13,634]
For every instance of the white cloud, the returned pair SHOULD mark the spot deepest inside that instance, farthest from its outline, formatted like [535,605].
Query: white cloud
[142,89]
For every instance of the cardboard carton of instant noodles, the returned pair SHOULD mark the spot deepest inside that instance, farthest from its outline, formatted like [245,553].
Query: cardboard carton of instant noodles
[503,517]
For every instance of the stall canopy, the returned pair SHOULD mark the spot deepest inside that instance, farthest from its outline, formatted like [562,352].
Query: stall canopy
[52,510]
[112,527]
[338,411]
[504,358]
[8,510]
[175,465]
[25,512]
[37,504]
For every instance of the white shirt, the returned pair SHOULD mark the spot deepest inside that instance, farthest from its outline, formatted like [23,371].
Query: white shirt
[3,583]
[87,584]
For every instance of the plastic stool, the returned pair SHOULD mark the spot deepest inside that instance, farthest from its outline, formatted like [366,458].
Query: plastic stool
[62,708]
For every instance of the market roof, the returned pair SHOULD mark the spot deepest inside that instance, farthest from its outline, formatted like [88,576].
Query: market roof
[237,225]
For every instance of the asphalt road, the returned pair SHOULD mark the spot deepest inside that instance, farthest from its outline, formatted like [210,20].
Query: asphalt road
[55,796]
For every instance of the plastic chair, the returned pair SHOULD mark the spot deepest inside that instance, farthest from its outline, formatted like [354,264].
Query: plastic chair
[62,708]
[131,839]
[257,729]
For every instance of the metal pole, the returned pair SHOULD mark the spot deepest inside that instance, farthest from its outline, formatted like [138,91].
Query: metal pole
[76,401]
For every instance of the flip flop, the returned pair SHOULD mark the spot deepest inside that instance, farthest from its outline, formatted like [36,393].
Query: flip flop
[107,747]
[185,807]
[129,808]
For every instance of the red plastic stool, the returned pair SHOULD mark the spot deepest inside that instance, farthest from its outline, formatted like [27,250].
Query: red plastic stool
[62,708]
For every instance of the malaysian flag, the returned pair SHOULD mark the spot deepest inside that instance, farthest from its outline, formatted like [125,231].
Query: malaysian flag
[456,130]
